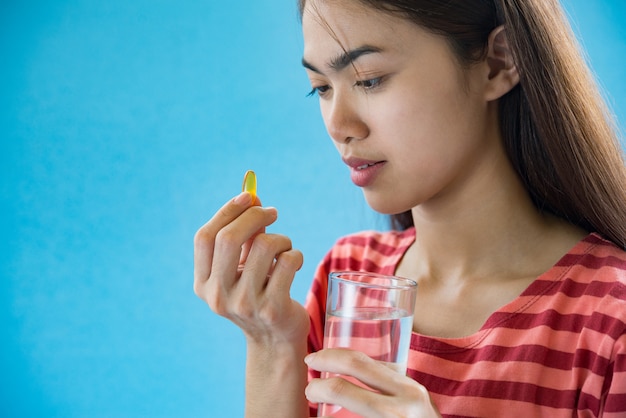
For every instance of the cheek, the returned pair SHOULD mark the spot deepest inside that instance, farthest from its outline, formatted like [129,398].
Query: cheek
[435,116]
[430,139]
[413,123]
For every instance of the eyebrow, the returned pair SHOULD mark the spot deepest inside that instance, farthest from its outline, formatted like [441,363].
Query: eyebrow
[344,59]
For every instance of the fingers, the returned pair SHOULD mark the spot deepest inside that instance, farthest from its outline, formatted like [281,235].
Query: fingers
[245,274]
[378,375]
[230,239]
[204,239]
[232,234]
[365,386]
[285,268]
[264,251]
[248,244]
[235,258]
[341,393]
[266,277]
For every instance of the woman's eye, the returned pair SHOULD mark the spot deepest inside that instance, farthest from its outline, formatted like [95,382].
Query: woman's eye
[370,83]
[320,91]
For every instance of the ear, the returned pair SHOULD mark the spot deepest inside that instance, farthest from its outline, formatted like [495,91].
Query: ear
[503,75]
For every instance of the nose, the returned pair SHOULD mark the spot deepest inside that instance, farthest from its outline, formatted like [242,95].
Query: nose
[343,120]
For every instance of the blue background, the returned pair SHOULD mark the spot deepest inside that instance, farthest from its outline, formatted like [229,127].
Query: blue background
[124,125]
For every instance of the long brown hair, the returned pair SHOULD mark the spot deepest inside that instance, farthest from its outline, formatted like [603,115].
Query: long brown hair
[556,128]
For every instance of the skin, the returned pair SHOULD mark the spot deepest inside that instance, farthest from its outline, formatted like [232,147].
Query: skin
[244,274]
[434,123]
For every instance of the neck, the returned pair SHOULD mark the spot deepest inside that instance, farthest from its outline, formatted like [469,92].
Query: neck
[489,231]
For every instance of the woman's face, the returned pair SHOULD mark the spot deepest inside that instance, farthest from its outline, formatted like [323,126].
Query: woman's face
[409,121]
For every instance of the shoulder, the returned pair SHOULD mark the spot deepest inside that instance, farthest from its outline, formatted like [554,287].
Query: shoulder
[597,259]
[594,274]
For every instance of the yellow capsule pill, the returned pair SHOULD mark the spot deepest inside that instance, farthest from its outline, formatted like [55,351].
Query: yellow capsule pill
[249,183]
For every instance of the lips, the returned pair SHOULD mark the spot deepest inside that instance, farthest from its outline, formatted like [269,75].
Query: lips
[363,172]
[364,166]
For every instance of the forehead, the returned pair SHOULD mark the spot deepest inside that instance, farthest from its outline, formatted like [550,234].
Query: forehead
[346,24]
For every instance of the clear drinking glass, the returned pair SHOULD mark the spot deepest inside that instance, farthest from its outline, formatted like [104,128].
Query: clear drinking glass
[371,313]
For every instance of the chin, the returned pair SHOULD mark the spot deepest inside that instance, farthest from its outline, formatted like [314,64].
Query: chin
[385,206]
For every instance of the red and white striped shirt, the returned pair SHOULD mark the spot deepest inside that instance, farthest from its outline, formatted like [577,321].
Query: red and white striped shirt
[558,350]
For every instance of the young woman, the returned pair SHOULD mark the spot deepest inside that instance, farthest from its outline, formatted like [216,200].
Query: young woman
[476,125]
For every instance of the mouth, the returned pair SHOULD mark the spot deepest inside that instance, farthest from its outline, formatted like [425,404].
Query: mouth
[364,166]
[360,163]
[363,173]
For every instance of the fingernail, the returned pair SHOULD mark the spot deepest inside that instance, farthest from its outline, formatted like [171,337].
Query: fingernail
[244,198]
[309,358]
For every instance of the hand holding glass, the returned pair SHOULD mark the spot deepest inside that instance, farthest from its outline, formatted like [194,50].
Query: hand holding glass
[371,313]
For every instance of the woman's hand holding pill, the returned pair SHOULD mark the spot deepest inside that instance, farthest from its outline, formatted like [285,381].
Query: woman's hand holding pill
[245,273]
